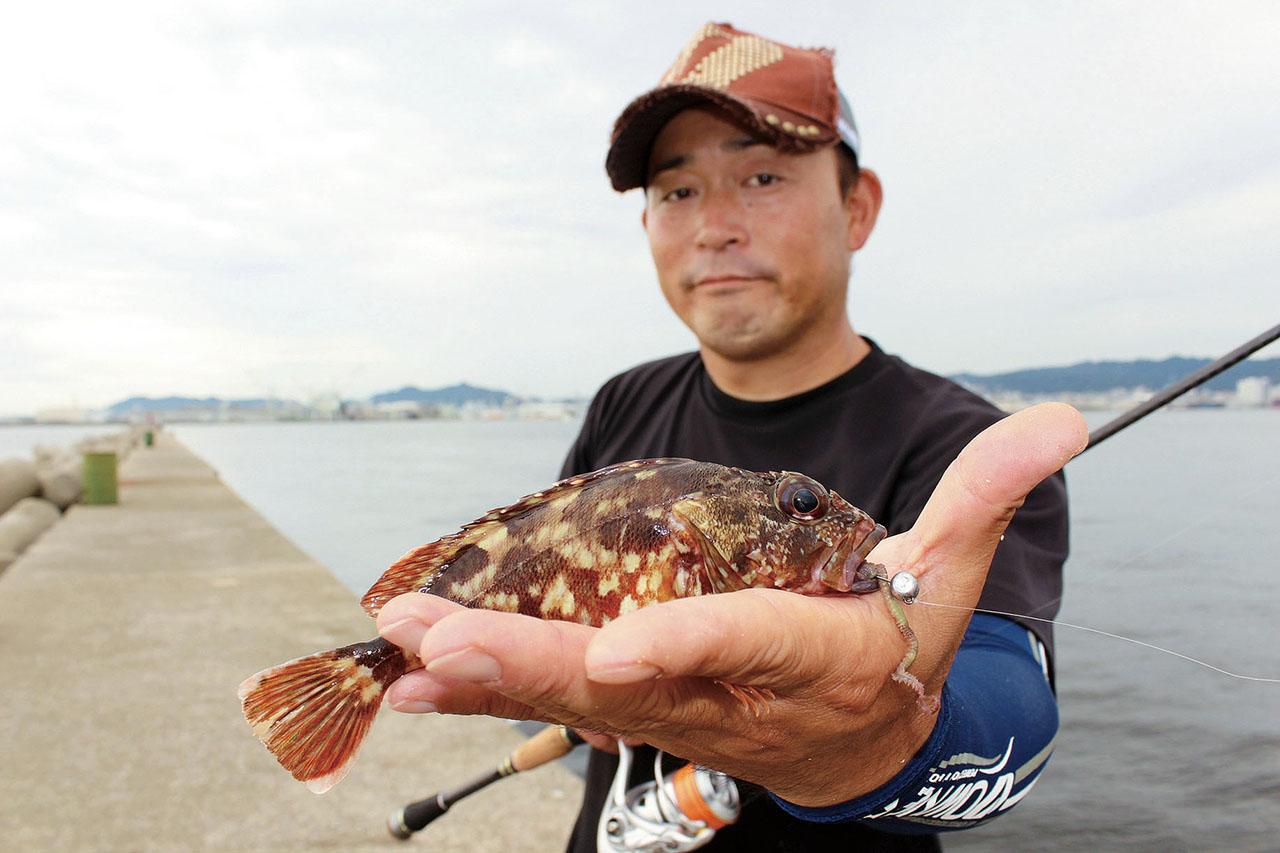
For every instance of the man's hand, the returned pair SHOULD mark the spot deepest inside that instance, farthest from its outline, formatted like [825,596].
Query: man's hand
[837,726]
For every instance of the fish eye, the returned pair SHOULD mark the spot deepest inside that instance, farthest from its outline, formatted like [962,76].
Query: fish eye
[804,501]
[801,498]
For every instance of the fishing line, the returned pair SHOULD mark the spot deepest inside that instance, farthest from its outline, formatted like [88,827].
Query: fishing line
[1129,418]
[1224,509]
[1105,634]
[1182,386]
[1120,565]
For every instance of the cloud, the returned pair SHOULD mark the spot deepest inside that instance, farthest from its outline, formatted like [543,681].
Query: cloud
[229,197]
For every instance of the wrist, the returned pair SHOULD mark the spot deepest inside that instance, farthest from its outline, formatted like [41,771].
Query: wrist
[925,756]
[863,762]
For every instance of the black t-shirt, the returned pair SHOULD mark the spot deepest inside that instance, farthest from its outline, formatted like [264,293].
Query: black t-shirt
[881,435]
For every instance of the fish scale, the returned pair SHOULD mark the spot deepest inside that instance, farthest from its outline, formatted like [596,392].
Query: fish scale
[588,549]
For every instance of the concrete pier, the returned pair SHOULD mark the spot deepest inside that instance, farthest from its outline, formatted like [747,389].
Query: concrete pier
[124,632]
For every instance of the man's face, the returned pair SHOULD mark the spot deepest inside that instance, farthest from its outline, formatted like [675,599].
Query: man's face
[751,245]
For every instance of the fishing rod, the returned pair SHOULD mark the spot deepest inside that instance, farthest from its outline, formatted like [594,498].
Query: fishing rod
[675,812]
[682,810]
[1182,386]
[547,745]
[1109,429]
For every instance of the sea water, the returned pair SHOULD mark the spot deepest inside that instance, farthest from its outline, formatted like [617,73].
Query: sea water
[1175,528]
[20,440]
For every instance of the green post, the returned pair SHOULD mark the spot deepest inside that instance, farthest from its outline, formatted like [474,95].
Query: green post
[100,485]
[150,438]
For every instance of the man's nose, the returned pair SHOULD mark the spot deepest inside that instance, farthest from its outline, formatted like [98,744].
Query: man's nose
[721,221]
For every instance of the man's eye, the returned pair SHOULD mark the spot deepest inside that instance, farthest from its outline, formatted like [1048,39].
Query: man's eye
[677,194]
[763,179]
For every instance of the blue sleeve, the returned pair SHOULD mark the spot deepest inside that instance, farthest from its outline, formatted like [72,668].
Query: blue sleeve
[994,735]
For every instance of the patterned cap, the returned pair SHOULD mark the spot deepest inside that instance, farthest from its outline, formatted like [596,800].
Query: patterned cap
[787,95]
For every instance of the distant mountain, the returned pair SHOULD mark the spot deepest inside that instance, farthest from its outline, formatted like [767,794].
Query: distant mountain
[174,404]
[453,395]
[456,395]
[1085,377]
[1101,376]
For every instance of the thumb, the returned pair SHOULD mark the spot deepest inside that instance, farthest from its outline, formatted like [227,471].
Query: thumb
[972,505]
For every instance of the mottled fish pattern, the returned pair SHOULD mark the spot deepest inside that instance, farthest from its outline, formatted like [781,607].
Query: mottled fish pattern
[588,549]
[591,548]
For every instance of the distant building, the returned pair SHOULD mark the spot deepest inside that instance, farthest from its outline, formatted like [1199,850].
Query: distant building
[546,411]
[326,406]
[357,410]
[399,409]
[1253,391]
[1115,400]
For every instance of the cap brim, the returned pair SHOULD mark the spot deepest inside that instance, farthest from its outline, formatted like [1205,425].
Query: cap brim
[640,123]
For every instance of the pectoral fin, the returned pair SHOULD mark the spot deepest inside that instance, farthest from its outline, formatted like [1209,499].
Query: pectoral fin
[717,574]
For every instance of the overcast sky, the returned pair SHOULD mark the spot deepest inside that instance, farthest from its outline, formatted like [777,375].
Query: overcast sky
[247,198]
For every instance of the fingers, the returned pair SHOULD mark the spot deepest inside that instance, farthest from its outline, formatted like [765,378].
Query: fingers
[765,638]
[421,692]
[503,664]
[486,662]
[604,741]
[980,491]
[530,661]
[598,740]
[404,621]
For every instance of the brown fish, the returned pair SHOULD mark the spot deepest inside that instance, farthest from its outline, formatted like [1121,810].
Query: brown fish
[588,549]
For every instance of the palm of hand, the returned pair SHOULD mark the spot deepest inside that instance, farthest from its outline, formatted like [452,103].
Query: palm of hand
[835,725]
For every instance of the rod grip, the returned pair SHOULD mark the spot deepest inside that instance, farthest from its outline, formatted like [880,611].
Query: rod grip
[415,816]
[547,745]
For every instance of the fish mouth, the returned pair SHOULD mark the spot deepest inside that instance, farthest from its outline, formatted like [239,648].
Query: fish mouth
[844,566]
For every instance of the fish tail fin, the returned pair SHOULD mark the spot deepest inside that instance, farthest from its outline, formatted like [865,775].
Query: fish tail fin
[313,713]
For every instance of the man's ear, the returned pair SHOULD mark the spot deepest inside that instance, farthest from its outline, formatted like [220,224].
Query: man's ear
[644,217]
[863,208]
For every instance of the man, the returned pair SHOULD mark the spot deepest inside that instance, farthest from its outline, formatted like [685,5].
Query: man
[754,203]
